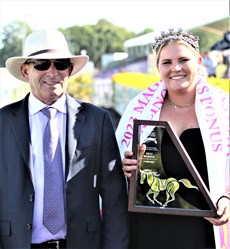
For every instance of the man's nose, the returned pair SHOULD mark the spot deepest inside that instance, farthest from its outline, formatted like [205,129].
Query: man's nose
[52,70]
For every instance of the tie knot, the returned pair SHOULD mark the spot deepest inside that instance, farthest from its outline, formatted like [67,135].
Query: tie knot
[49,112]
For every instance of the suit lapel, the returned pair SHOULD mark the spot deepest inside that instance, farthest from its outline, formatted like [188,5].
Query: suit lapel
[19,122]
[74,123]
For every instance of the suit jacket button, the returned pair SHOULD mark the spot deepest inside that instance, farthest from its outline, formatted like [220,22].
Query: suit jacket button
[29,226]
[31,198]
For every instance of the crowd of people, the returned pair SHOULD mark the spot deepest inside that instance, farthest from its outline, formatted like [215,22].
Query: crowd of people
[92,165]
[216,64]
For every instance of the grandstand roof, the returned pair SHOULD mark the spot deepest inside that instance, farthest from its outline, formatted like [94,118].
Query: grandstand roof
[218,27]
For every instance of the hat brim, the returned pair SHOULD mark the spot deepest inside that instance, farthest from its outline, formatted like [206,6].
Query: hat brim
[13,64]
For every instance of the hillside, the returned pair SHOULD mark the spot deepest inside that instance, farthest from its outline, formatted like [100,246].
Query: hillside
[218,27]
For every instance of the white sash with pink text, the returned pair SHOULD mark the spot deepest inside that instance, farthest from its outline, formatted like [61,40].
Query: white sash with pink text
[212,109]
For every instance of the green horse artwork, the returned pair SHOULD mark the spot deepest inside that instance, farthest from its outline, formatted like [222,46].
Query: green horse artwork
[170,186]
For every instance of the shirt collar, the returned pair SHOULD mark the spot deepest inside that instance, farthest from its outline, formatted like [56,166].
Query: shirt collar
[35,105]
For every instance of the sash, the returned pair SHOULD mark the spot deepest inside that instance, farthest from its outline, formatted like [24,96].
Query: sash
[212,110]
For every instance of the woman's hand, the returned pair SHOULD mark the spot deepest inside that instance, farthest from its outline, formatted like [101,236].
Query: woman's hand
[223,210]
[129,164]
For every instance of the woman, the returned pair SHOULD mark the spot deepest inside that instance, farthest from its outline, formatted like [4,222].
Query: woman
[199,114]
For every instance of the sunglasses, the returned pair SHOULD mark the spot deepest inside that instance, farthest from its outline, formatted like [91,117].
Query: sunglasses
[42,65]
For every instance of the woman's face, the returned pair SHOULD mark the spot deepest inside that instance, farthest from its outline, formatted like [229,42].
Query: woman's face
[178,66]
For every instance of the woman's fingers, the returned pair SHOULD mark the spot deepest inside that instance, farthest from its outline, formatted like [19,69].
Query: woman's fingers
[129,164]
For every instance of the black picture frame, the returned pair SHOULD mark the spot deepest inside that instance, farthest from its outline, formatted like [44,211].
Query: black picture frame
[146,146]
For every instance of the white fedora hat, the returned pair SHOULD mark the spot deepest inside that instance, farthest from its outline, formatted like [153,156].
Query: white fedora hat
[45,44]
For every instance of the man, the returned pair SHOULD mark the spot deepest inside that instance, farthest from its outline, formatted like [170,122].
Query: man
[32,214]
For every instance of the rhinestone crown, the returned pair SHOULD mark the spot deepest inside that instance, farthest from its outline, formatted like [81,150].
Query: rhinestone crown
[172,35]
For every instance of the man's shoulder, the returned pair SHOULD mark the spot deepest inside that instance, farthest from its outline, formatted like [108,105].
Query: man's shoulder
[75,102]
[11,107]
[89,107]
[86,107]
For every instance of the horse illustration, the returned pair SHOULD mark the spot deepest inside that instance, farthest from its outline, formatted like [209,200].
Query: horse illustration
[170,185]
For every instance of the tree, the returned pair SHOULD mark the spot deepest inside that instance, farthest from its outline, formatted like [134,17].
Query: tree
[207,39]
[104,37]
[96,40]
[145,31]
[13,36]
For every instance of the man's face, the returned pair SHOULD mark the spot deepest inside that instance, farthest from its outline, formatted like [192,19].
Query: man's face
[50,84]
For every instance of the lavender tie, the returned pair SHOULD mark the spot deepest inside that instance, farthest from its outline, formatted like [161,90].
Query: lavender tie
[53,212]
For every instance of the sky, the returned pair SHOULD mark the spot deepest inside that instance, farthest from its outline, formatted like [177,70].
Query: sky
[133,15]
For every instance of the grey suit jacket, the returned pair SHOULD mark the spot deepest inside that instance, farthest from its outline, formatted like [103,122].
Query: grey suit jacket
[93,168]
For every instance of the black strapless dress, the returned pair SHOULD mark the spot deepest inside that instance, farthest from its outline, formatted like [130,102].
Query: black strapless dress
[162,231]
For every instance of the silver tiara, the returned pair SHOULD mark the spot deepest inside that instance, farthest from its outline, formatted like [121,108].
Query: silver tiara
[172,35]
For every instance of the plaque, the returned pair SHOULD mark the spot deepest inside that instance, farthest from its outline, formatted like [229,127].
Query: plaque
[159,187]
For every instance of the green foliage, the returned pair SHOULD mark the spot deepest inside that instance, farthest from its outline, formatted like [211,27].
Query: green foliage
[207,39]
[221,25]
[97,39]
[12,38]
[211,33]
[103,37]
[81,86]
[145,31]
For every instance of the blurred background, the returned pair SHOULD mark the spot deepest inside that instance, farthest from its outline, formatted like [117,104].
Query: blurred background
[117,36]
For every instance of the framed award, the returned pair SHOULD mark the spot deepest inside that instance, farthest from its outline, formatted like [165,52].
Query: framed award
[162,185]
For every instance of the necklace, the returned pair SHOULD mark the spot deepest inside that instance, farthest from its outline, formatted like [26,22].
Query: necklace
[179,106]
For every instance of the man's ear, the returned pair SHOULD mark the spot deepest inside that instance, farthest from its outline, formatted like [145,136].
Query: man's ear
[24,72]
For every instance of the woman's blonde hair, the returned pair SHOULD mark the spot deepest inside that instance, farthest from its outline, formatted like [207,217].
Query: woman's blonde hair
[158,50]
[201,69]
